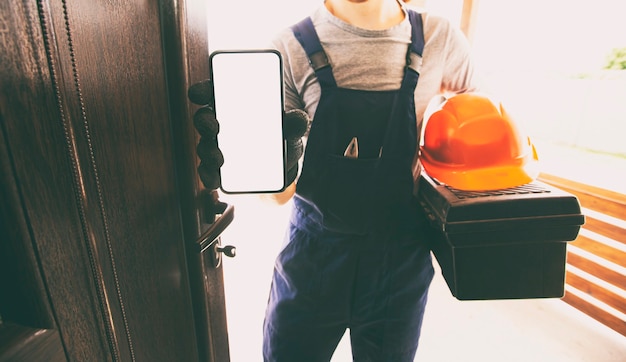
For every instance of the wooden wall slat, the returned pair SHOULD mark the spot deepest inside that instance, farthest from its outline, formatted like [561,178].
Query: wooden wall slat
[596,313]
[605,201]
[600,293]
[599,271]
[602,250]
[603,228]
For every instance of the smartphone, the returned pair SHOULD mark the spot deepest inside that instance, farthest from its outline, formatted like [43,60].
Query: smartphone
[249,104]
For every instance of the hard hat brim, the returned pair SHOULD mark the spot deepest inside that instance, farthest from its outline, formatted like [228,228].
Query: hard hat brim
[483,179]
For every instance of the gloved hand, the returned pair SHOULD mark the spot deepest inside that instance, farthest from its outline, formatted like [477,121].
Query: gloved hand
[295,125]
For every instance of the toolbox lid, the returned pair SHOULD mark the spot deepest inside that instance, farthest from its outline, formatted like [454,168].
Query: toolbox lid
[534,205]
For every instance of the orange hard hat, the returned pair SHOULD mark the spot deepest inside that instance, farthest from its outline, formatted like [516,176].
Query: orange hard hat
[471,143]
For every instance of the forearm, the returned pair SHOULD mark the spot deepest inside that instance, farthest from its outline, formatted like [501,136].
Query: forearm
[281,198]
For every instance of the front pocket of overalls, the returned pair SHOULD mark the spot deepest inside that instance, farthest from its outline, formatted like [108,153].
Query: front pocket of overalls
[353,194]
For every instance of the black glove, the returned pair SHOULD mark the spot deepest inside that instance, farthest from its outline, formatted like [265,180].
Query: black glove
[295,125]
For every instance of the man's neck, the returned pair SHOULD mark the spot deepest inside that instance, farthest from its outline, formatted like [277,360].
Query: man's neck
[367,14]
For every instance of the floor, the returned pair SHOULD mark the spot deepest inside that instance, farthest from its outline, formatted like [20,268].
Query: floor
[514,330]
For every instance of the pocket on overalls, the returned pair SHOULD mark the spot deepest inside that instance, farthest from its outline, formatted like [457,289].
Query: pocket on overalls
[353,193]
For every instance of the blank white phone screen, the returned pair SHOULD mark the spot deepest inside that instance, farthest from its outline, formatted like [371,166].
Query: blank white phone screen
[248,92]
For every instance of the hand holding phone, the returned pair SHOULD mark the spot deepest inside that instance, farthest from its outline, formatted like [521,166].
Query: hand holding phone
[259,144]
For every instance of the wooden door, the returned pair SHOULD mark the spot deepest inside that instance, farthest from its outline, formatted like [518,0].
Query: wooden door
[108,240]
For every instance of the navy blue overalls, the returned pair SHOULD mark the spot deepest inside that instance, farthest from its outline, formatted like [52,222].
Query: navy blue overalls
[354,255]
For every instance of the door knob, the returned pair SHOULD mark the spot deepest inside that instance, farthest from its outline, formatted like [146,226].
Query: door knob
[216,250]
[229,250]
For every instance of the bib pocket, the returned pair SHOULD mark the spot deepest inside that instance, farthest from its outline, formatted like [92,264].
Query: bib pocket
[355,193]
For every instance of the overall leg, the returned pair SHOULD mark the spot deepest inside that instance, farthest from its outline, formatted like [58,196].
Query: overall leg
[309,299]
[390,298]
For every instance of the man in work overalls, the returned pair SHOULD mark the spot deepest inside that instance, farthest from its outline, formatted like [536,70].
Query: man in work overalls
[355,255]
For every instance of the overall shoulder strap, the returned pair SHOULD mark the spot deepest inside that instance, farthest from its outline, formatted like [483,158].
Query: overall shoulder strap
[305,32]
[414,55]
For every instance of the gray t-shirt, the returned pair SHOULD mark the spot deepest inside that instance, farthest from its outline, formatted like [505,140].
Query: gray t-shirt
[375,60]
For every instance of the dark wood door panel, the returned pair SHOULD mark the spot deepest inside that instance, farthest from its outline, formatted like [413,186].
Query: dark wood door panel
[99,144]
[29,344]
[119,63]
[44,192]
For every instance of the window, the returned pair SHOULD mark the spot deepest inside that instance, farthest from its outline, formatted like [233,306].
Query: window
[546,60]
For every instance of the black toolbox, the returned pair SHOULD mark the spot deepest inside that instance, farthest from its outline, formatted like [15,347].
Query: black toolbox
[503,244]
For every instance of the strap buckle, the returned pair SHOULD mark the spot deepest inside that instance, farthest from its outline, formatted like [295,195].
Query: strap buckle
[319,60]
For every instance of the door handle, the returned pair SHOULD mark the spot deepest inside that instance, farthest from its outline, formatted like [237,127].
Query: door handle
[206,280]
[209,241]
